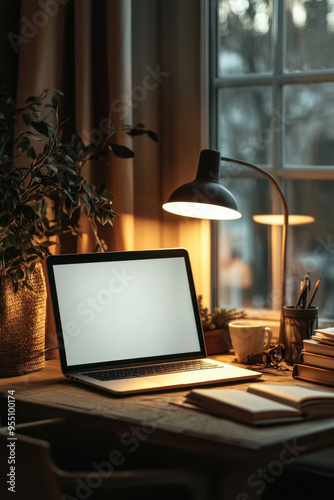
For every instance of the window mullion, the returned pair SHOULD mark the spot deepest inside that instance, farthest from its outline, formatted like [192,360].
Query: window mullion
[277,99]
[213,133]
[277,140]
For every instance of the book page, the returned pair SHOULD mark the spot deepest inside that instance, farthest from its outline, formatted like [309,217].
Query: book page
[242,405]
[327,333]
[294,395]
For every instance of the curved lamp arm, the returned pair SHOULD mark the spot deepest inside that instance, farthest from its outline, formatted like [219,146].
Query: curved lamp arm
[206,198]
[284,233]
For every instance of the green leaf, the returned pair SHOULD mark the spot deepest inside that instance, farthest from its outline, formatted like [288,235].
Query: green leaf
[152,135]
[44,249]
[11,253]
[121,151]
[28,212]
[47,244]
[69,208]
[68,171]
[11,241]
[32,258]
[73,200]
[43,128]
[100,190]
[19,275]
[24,144]
[37,114]
[39,226]
[108,195]
[54,101]
[86,201]
[76,142]
[134,132]
[88,149]
[26,118]
[32,250]
[55,90]
[52,168]
[6,220]
[51,107]
[31,153]
[32,98]
[32,266]
[35,137]
[63,180]
[8,205]
[104,218]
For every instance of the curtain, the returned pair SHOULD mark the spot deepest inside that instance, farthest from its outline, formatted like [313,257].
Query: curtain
[124,62]
[166,43]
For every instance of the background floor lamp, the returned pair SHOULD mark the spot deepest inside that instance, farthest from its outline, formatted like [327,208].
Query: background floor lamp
[206,198]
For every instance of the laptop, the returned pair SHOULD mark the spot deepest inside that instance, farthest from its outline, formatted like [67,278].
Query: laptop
[128,322]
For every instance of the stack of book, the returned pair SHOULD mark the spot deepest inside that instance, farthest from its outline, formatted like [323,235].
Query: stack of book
[317,358]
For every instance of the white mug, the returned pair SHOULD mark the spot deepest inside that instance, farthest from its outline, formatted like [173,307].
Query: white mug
[248,337]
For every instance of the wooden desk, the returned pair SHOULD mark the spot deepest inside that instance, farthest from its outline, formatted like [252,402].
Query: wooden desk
[212,442]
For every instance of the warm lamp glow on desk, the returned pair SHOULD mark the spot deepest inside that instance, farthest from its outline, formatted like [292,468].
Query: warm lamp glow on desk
[206,198]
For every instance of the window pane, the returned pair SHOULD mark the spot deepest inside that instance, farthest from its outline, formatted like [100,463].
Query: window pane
[244,123]
[243,254]
[300,119]
[311,247]
[244,37]
[309,27]
[309,124]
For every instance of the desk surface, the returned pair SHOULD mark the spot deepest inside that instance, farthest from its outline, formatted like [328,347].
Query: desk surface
[48,394]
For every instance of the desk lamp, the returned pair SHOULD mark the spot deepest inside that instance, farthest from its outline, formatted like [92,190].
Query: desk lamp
[206,198]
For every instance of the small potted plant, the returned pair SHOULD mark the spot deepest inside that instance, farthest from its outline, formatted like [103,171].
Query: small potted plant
[215,326]
[41,184]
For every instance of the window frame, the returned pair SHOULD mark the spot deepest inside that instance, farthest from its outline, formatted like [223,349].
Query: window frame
[277,80]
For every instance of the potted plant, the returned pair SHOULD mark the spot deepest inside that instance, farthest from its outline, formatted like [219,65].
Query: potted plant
[41,184]
[215,326]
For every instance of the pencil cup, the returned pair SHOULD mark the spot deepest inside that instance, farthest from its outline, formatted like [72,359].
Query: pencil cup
[299,324]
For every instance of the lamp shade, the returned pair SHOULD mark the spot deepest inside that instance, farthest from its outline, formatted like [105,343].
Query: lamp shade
[205,197]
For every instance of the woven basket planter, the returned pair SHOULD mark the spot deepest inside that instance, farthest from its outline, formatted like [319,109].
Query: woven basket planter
[22,326]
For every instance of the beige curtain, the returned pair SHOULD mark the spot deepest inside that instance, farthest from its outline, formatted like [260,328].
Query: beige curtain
[166,42]
[84,49]
[127,62]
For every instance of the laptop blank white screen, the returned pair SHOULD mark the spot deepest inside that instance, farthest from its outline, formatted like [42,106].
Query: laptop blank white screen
[113,311]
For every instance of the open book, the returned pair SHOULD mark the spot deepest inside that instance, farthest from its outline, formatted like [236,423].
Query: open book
[324,336]
[265,403]
[325,332]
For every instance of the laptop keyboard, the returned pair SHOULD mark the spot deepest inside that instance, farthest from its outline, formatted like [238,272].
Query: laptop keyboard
[144,371]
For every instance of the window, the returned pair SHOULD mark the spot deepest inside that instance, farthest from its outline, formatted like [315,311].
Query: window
[272,104]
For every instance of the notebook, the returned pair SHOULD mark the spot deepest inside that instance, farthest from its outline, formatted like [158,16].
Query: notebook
[128,322]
